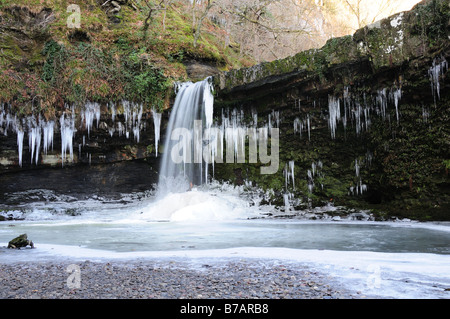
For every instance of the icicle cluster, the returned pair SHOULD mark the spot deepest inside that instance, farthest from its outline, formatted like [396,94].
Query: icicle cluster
[133,116]
[316,170]
[360,188]
[357,110]
[303,126]
[38,129]
[40,132]
[91,110]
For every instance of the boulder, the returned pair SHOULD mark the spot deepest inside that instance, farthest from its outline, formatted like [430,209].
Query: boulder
[20,241]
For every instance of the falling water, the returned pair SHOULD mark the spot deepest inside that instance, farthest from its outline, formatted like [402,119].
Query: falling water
[194,102]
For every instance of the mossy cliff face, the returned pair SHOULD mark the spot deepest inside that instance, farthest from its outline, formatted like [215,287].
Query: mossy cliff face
[50,73]
[385,146]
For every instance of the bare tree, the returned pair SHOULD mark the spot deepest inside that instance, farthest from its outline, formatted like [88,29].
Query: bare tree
[197,23]
[272,29]
[367,11]
[161,6]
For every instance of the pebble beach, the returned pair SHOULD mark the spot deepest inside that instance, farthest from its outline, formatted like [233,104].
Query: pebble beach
[147,279]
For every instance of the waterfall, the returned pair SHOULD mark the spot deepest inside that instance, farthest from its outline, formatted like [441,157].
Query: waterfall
[191,112]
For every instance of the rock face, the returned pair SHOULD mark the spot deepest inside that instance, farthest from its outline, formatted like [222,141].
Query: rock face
[23,34]
[198,70]
[363,121]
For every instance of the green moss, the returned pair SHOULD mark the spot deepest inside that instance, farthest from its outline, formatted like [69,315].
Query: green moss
[10,52]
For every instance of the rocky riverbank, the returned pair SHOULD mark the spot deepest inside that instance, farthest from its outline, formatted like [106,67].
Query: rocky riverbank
[232,279]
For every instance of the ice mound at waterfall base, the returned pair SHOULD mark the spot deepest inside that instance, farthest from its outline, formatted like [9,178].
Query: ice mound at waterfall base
[198,204]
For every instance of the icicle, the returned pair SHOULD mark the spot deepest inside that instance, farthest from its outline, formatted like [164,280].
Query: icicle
[97,113]
[111,131]
[136,133]
[67,133]
[382,102]
[298,126]
[396,95]
[255,118]
[288,173]
[356,167]
[113,112]
[136,121]
[127,115]
[360,188]
[38,143]
[157,123]
[310,181]
[20,135]
[34,138]
[48,129]
[291,168]
[347,105]
[357,114]
[334,114]
[208,103]
[276,115]
[308,122]
[366,117]
[435,72]
[9,121]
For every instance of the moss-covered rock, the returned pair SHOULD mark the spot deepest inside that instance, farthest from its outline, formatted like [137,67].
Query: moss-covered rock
[20,241]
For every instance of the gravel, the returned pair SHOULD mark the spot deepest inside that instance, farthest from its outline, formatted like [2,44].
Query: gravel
[154,279]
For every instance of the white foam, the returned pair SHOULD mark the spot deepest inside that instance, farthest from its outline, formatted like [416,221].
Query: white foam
[195,206]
